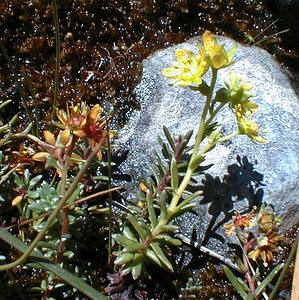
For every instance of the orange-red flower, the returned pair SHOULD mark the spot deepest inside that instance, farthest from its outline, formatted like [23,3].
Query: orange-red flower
[83,121]
[240,222]
[264,248]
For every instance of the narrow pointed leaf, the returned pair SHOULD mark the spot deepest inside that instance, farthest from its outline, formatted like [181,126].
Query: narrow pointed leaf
[161,256]
[163,207]
[137,266]
[160,163]
[128,233]
[153,257]
[134,247]
[169,138]
[268,279]
[168,240]
[166,228]
[124,258]
[196,162]
[120,239]
[234,281]
[174,175]
[151,210]
[190,198]
[140,230]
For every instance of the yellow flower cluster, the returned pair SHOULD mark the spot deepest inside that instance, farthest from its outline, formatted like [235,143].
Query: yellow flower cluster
[243,108]
[189,68]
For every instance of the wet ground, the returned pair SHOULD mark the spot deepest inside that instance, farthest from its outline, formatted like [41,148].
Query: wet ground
[103,42]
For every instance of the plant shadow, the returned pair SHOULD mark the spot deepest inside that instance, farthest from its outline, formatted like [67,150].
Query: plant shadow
[242,182]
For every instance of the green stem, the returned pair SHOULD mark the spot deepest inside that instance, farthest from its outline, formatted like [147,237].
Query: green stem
[66,164]
[228,137]
[202,123]
[214,113]
[57,55]
[110,201]
[51,218]
[198,140]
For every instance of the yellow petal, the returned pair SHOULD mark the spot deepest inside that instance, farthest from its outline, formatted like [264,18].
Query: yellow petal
[16,200]
[96,112]
[62,116]
[64,136]
[79,133]
[40,156]
[49,136]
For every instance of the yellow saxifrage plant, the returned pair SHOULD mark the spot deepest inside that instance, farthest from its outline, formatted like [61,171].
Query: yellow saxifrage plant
[148,232]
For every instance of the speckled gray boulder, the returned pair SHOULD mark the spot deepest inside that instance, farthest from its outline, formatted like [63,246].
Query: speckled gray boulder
[242,173]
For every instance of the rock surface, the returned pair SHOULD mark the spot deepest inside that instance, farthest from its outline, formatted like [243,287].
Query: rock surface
[242,173]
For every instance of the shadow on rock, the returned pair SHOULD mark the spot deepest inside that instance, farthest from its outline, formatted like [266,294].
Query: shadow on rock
[241,183]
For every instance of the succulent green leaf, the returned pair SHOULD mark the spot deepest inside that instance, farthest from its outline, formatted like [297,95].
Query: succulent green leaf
[137,266]
[181,165]
[150,208]
[168,240]
[188,135]
[128,233]
[169,138]
[189,199]
[163,207]
[134,247]
[127,270]
[18,181]
[26,177]
[153,257]
[161,256]
[124,259]
[34,181]
[160,163]
[182,148]
[174,175]
[167,228]
[142,233]
[234,281]
[156,173]
[120,239]
[182,210]
[241,265]
[268,279]
[3,104]
[33,194]
[166,150]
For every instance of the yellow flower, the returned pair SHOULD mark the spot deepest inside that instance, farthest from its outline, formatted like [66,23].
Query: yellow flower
[250,128]
[215,55]
[188,69]
[240,221]
[74,119]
